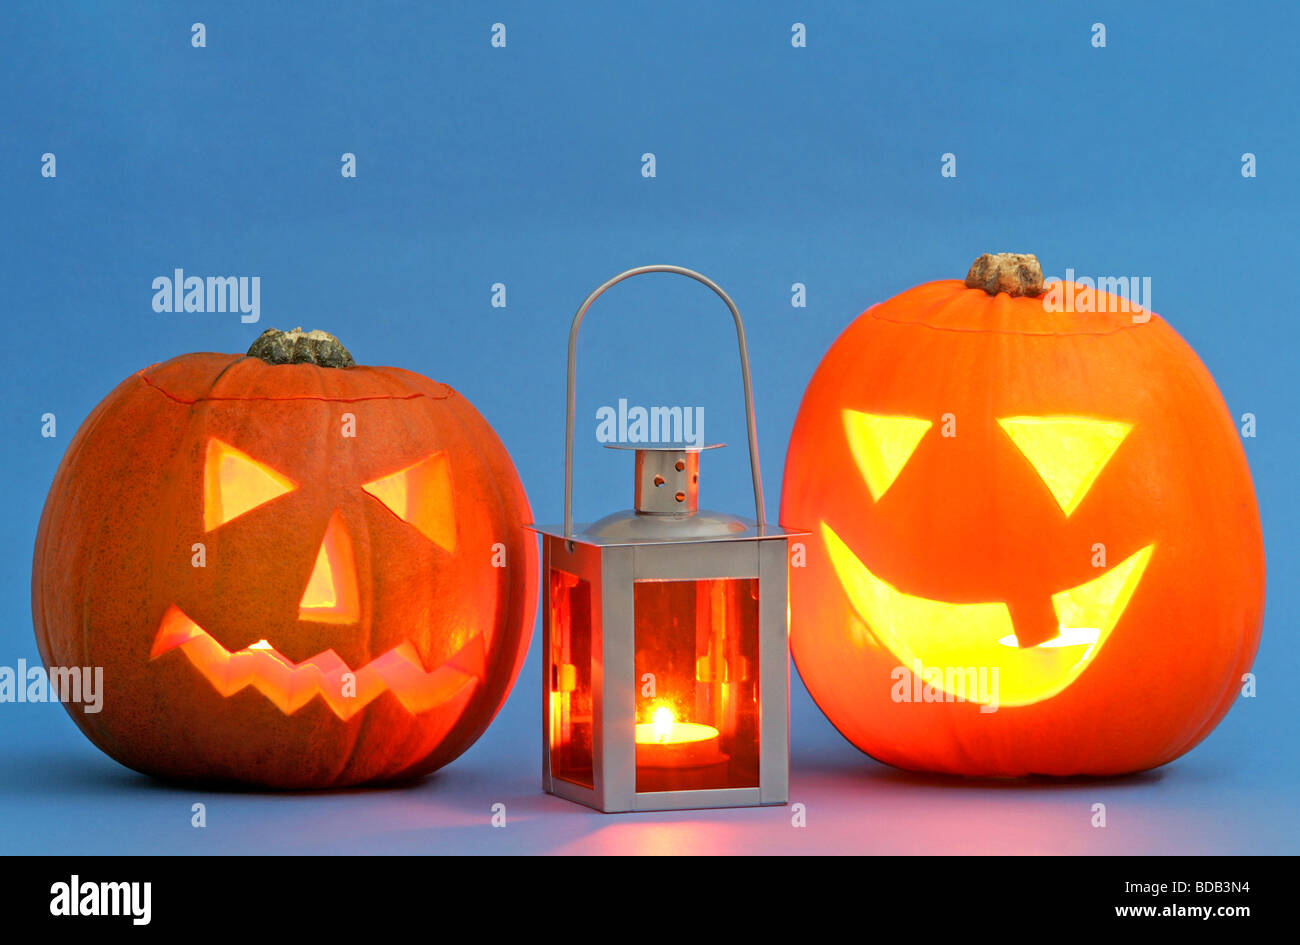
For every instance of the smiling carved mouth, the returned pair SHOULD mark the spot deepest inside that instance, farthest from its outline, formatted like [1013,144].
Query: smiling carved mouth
[933,633]
[291,685]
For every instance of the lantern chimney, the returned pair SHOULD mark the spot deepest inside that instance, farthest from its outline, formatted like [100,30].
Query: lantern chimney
[667,480]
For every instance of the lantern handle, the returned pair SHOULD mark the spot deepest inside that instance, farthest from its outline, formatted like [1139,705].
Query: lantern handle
[573,392]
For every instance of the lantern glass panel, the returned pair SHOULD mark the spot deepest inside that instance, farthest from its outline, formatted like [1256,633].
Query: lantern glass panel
[697,710]
[569,687]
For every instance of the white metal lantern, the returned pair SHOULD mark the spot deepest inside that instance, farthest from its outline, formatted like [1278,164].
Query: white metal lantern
[665,636]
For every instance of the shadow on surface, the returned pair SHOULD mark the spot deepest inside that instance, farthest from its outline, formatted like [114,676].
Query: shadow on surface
[870,772]
[67,774]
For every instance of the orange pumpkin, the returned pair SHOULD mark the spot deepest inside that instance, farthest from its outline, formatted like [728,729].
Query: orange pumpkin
[294,571]
[1035,546]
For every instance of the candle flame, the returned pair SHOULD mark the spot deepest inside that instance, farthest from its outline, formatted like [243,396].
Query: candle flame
[663,723]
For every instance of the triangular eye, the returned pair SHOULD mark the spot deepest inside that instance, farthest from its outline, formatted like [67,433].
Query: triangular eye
[1068,453]
[421,495]
[235,483]
[882,446]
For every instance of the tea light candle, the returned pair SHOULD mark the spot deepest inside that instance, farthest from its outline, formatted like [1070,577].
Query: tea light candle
[667,743]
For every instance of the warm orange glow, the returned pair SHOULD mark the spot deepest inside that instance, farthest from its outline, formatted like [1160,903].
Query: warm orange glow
[421,495]
[331,595]
[1067,452]
[235,483]
[936,633]
[664,742]
[290,685]
[566,677]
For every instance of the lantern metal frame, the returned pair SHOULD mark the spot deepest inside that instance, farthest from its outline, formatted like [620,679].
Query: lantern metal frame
[624,548]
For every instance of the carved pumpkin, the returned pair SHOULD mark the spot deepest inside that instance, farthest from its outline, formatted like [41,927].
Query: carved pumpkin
[294,571]
[1035,545]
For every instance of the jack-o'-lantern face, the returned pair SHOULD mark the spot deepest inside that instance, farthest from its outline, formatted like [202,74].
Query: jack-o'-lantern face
[1034,546]
[1040,658]
[295,573]
[421,495]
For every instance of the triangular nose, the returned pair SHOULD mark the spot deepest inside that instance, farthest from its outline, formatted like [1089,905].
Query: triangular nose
[331,595]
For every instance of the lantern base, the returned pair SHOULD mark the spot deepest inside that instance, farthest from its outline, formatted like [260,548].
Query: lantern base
[668,800]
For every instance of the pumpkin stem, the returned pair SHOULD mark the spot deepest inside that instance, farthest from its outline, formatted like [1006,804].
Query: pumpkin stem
[301,347]
[1014,273]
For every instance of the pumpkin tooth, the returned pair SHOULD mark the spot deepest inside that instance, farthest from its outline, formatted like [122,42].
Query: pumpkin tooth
[174,629]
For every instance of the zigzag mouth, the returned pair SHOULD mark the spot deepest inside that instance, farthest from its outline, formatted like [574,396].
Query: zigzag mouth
[947,635]
[290,686]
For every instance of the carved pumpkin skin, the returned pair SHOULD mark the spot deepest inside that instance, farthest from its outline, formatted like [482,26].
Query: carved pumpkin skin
[968,519]
[115,546]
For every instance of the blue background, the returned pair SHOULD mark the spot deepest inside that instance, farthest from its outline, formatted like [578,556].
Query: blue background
[522,165]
